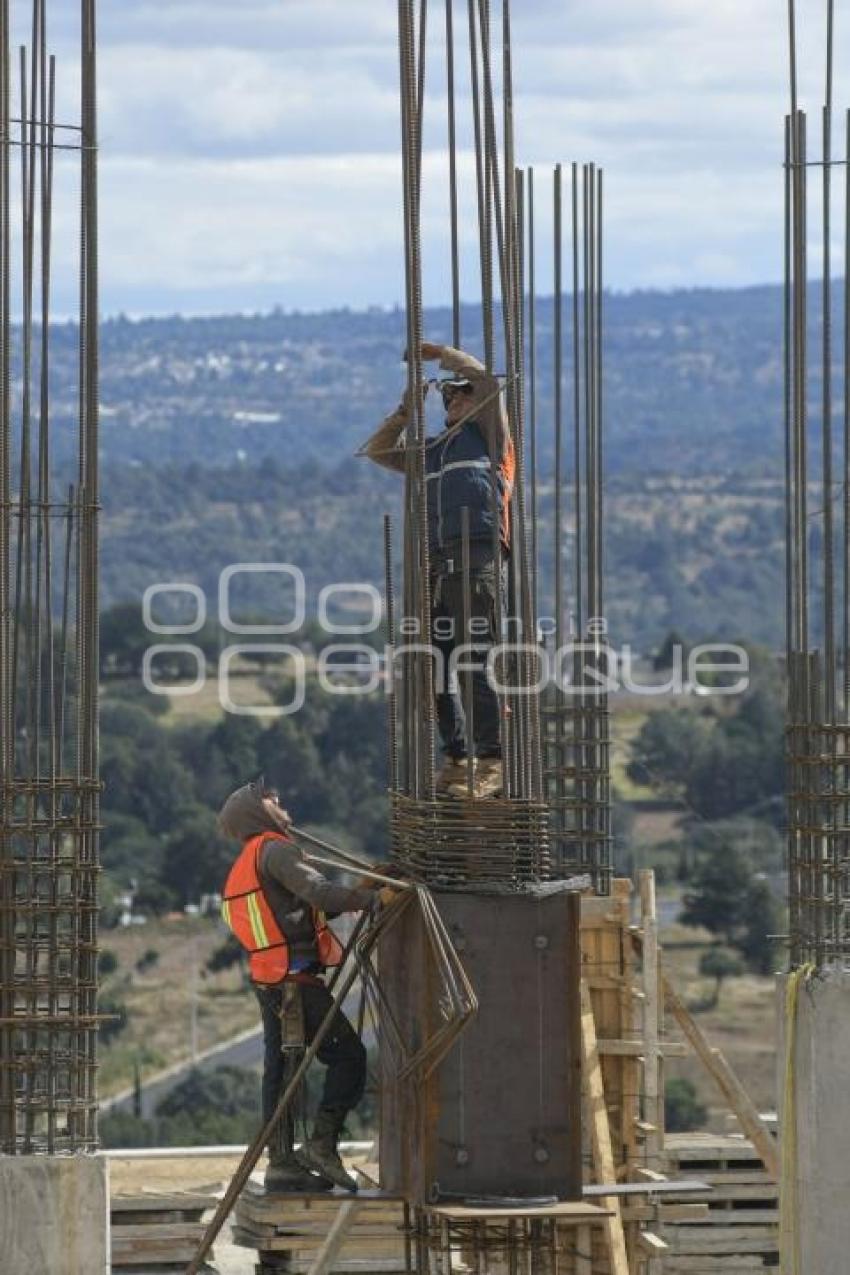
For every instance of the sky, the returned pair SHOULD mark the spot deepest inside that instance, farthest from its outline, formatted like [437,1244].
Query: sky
[249,152]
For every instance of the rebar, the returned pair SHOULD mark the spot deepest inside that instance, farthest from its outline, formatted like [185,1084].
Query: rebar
[818,670]
[575,729]
[49,817]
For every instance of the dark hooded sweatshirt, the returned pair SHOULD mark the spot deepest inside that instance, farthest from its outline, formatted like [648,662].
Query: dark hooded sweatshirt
[290,885]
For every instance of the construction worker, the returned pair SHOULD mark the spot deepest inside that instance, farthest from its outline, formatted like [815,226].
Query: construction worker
[276,906]
[460,465]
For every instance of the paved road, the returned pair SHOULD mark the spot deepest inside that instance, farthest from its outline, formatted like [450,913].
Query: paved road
[244,1050]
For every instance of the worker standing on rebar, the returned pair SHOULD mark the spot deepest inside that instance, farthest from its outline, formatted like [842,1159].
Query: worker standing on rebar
[276,906]
[460,465]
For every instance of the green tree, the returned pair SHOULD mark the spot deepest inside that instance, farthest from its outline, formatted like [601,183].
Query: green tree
[196,859]
[663,658]
[682,1108]
[115,1020]
[719,964]
[761,918]
[668,749]
[729,898]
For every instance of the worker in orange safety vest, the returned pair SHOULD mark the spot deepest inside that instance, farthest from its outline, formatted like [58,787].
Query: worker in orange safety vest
[276,906]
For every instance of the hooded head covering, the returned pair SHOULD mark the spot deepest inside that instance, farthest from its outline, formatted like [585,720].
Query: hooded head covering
[243,814]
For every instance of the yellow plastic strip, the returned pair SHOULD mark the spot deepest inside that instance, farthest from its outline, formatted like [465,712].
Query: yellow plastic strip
[256,918]
[789,1236]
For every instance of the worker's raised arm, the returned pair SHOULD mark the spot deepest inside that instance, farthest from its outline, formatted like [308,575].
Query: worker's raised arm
[284,863]
[383,447]
[487,393]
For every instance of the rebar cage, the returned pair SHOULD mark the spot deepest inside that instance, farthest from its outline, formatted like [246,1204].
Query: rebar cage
[455,843]
[817,463]
[493,1246]
[49,817]
[577,759]
[818,776]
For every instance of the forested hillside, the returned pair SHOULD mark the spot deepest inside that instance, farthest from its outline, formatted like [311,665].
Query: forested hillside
[692,382]
[232,439]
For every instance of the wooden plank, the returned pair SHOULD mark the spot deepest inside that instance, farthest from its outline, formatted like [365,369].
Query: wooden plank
[168,1252]
[335,1238]
[565,1211]
[637,1048]
[742,1217]
[345,1266]
[652,1244]
[190,1232]
[740,1264]
[649,1175]
[308,1246]
[600,1133]
[690,1186]
[666,1214]
[584,1251]
[725,1193]
[162,1201]
[653,1088]
[724,1239]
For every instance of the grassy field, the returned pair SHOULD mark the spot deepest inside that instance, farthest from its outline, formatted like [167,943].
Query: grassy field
[158,996]
[742,1024]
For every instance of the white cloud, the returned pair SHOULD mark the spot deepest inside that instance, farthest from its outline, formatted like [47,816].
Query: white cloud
[250,152]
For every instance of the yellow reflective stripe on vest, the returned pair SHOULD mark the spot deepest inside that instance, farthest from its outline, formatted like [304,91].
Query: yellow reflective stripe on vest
[225,912]
[256,919]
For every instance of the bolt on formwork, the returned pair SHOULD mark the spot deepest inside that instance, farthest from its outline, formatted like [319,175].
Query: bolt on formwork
[49,817]
[818,570]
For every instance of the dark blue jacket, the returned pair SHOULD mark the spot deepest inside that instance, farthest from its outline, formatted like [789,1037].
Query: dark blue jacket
[458,474]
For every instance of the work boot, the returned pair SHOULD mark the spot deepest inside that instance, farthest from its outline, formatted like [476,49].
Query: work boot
[320,1153]
[453,772]
[488,780]
[284,1173]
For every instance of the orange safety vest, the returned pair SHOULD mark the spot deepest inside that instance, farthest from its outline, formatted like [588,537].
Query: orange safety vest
[246,910]
[507,469]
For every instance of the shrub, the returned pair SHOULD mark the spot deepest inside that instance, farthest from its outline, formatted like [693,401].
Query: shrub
[682,1108]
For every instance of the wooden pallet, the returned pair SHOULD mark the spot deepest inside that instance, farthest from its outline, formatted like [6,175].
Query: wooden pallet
[741,1230]
[289,1232]
[155,1232]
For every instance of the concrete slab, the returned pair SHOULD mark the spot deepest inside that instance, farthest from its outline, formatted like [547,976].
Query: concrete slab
[822,1121]
[55,1215]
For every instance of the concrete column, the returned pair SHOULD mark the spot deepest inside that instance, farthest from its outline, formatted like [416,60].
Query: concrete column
[820,1121]
[54,1215]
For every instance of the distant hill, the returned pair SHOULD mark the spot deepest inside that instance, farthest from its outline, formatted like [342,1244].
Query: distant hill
[692,382]
[233,438]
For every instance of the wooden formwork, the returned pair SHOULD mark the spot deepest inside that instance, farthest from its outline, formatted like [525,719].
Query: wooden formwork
[654,1226]
[610,972]
[623,1081]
